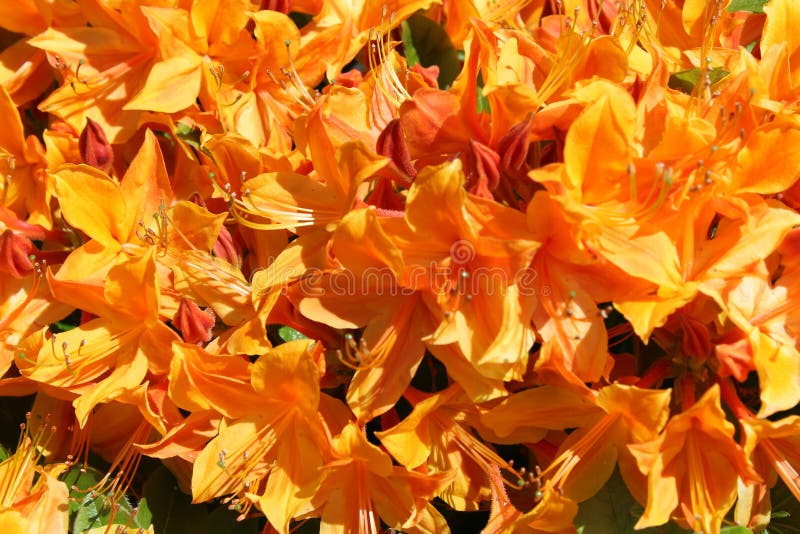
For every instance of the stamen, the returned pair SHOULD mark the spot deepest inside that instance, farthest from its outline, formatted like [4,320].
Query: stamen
[17,468]
[358,355]
[557,473]
[282,215]
[295,88]
[120,475]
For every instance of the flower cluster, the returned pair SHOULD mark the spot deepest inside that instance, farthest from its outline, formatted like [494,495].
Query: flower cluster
[370,265]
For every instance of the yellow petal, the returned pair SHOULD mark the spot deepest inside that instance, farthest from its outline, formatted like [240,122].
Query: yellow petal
[144,187]
[289,374]
[126,375]
[172,86]
[92,202]
[527,415]
[778,368]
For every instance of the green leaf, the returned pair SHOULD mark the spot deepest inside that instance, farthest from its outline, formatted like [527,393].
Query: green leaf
[483,102]
[172,510]
[224,520]
[287,333]
[67,323]
[686,80]
[88,509]
[189,135]
[753,6]
[300,19]
[61,326]
[412,58]
[785,510]
[144,517]
[4,453]
[613,510]
[431,46]
[736,529]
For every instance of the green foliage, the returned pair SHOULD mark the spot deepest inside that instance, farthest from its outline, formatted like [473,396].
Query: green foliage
[67,323]
[412,58]
[224,520]
[172,509]
[753,6]
[189,135]
[785,511]
[613,510]
[287,333]
[686,80]
[483,102]
[174,513]
[88,509]
[426,42]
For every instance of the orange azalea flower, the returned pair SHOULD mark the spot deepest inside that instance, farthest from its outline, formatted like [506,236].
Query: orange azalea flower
[268,453]
[436,434]
[24,71]
[220,286]
[681,258]
[774,449]
[32,499]
[569,284]
[126,219]
[366,292]
[608,422]
[111,354]
[311,206]
[100,65]
[766,315]
[552,513]
[337,33]
[192,45]
[360,488]
[693,468]
[26,188]
[25,308]
[472,264]
[780,42]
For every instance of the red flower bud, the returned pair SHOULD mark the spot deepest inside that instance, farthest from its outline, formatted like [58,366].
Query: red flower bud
[483,169]
[392,144]
[95,148]
[514,147]
[15,252]
[195,324]
[225,248]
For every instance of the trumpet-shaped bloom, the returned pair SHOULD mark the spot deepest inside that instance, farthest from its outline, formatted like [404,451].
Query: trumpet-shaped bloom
[111,354]
[693,468]
[360,488]
[269,449]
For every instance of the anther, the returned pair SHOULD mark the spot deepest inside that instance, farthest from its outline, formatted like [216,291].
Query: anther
[668,175]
